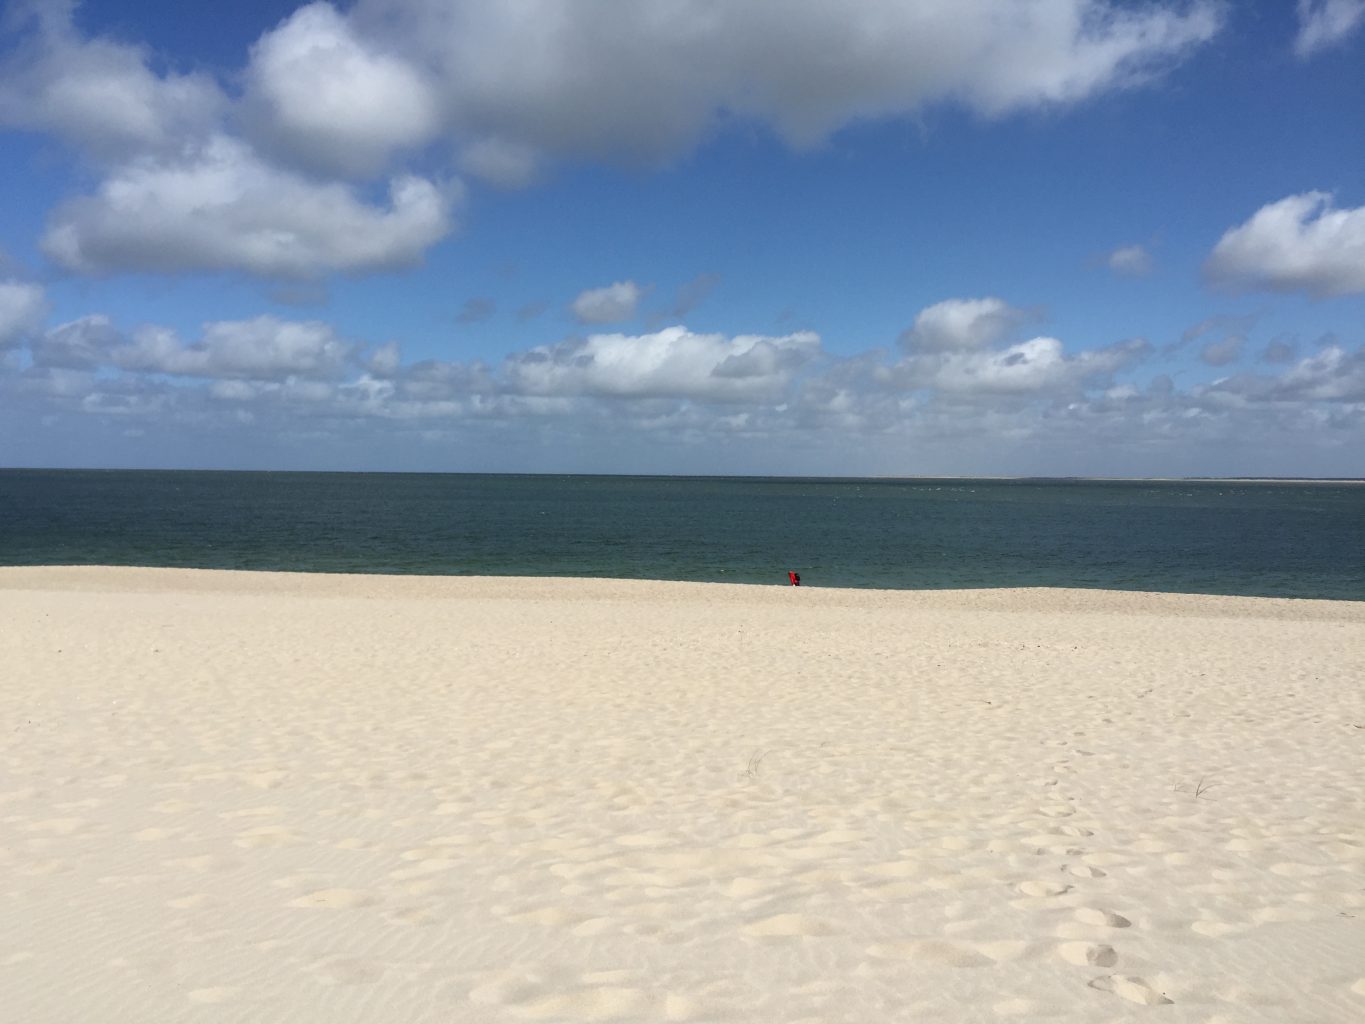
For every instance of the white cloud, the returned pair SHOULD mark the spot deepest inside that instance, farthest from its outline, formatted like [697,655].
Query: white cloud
[23,308]
[349,94]
[1037,367]
[1325,23]
[672,362]
[264,348]
[1130,261]
[221,207]
[1334,375]
[962,324]
[97,94]
[646,81]
[324,97]
[609,305]
[1300,243]
[615,402]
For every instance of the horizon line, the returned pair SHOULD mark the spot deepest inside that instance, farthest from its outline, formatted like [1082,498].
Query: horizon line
[700,476]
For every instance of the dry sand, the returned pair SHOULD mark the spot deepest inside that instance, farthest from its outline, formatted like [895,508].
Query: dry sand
[278,798]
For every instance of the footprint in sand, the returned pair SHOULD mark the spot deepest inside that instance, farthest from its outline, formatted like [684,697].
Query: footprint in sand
[1085,871]
[1135,990]
[1086,954]
[1041,889]
[1101,918]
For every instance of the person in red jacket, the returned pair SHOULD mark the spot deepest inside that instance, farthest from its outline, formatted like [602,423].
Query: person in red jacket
[795,577]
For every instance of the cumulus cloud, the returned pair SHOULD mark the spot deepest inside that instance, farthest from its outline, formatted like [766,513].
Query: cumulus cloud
[955,349]
[23,308]
[1336,374]
[328,99]
[1039,366]
[200,181]
[610,305]
[98,95]
[1299,243]
[646,81]
[1325,23]
[263,348]
[962,324]
[644,397]
[673,362]
[221,207]
[1130,261]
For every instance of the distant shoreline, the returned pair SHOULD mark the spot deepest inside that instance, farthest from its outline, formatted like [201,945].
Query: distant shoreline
[710,476]
[95,577]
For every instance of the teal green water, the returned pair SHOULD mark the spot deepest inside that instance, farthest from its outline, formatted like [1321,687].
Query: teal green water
[1273,539]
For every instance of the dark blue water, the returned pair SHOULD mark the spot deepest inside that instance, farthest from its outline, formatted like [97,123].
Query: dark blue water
[1274,539]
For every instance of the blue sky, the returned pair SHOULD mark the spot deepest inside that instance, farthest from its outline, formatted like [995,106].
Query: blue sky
[997,237]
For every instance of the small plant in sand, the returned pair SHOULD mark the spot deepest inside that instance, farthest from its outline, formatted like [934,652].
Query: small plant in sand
[1205,783]
[755,759]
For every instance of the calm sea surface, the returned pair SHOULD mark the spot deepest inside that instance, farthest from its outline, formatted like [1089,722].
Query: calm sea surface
[1275,539]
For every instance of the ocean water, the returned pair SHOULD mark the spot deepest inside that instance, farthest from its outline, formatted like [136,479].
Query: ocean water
[1272,539]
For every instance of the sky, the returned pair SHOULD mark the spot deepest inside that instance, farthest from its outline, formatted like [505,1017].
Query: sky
[786,237]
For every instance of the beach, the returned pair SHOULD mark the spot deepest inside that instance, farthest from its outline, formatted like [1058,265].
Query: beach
[232,796]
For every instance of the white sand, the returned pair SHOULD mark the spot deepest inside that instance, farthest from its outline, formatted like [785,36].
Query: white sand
[275,798]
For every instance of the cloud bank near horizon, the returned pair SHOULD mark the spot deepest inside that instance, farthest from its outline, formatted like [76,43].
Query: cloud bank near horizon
[963,374]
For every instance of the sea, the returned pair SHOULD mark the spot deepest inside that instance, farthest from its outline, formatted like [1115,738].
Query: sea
[1274,539]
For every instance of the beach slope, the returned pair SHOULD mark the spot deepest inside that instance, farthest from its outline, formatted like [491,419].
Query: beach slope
[284,797]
